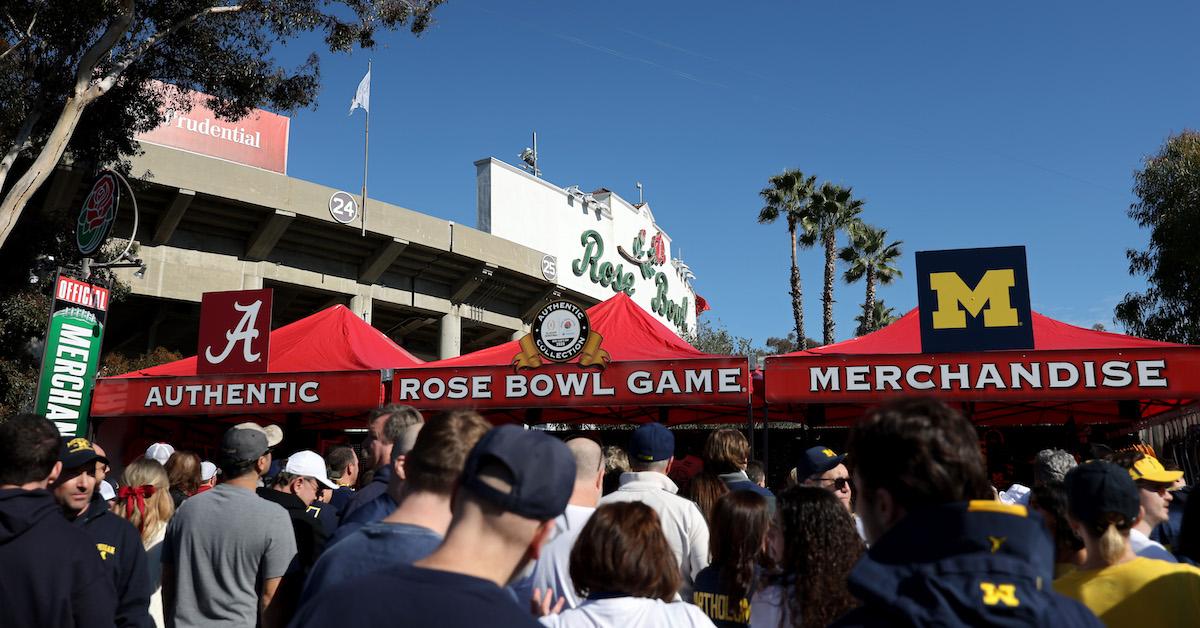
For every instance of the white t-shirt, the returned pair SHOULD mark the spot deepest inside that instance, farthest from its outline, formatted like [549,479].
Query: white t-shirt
[1146,548]
[769,608]
[629,612]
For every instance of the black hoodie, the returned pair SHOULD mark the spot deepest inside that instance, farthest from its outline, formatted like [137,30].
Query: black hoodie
[120,548]
[51,574]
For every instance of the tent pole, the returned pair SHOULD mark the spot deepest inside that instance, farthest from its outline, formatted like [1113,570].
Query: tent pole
[766,439]
[750,429]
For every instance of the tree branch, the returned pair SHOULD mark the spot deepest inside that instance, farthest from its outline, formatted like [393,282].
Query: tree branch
[129,58]
[91,58]
[24,38]
[20,143]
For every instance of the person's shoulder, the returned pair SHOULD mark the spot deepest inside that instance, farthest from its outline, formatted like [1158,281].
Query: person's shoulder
[1067,612]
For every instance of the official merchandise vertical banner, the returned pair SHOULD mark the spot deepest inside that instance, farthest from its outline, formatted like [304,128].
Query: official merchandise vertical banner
[72,354]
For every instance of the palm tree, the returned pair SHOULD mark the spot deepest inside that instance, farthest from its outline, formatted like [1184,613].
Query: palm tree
[880,316]
[787,195]
[832,208]
[871,256]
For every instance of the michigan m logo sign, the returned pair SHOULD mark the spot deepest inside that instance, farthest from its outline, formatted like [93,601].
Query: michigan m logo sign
[974,300]
[990,296]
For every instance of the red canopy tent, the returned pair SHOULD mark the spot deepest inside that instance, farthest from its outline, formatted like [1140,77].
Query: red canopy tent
[1071,374]
[652,375]
[328,362]
[322,371]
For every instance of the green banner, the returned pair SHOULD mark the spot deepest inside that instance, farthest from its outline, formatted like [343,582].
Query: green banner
[72,356]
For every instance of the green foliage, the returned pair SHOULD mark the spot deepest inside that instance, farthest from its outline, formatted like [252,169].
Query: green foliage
[1168,191]
[878,317]
[119,363]
[832,208]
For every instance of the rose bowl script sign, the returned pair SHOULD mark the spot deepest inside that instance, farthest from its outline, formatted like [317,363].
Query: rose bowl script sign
[235,332]
[237,394]
[1167,373]
[702,381]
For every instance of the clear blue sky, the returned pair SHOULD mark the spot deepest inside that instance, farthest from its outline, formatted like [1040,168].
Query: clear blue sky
[961,123]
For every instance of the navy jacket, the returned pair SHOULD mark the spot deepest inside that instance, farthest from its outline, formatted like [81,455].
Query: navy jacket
[120,548]
[363,496]
[51,574]
[979,563]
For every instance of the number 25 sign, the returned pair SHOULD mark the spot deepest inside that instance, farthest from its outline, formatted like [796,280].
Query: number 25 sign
[343,207]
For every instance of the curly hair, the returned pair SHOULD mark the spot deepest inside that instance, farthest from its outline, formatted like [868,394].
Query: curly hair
[739,525]
[820,547]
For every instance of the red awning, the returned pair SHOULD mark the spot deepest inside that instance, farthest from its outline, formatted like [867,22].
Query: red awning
[653,375]
[1072,373]
[327,362]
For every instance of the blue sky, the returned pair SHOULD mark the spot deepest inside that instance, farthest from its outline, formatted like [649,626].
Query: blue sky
[961,124]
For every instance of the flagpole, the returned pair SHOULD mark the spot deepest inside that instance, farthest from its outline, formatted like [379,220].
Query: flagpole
[366,153]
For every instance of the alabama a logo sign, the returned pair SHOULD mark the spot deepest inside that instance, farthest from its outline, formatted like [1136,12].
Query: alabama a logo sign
[974,300]
[561,332]
[235,332]
[97,214]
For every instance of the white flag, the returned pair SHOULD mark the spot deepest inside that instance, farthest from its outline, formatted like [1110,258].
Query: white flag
[362,97]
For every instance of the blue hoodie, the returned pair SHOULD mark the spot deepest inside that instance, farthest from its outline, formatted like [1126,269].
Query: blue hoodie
[979,563]
[120,548]
[51,573]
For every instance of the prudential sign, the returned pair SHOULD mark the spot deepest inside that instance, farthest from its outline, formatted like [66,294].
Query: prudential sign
[72,354]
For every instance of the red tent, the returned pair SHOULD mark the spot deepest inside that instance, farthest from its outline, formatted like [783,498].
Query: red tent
[1071,374]
[328,362]
[333,339]
[650,374]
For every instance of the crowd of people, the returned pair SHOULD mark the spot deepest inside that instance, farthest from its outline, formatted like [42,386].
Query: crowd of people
[447,521]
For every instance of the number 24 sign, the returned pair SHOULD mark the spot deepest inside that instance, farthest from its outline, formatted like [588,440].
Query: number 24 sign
[343,207]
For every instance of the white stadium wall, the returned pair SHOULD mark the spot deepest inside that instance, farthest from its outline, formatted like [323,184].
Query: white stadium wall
[571,226]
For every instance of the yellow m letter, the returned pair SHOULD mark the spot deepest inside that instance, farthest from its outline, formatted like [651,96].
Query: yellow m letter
[990,296]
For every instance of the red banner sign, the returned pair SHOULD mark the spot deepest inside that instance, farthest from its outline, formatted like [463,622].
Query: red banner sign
[80,293]
[260,139]
[235,332]
[1172,373]
[237,394]
[707,381]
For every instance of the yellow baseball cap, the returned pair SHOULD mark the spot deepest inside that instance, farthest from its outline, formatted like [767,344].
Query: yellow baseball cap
[1149,469]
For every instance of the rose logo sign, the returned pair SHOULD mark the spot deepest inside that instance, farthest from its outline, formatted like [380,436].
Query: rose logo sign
[97,214]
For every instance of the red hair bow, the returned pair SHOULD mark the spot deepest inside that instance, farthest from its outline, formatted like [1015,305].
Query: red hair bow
[135,494]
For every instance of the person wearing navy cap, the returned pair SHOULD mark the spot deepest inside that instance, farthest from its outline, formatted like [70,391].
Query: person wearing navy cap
[820,466]
[651,453]
[117,541]
[514,484]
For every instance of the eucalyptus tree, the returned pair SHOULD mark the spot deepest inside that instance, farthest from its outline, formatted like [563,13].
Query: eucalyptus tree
[871,257]
[831,209]
[787,196]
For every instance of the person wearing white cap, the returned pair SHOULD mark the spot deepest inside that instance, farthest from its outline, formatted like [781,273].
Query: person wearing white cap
[208,476]
[300,483]
[161,452]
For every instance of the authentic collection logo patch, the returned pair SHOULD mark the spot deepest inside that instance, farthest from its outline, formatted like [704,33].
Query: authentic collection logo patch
[561,332]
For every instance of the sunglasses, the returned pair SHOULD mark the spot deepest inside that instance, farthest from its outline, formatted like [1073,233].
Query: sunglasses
[836,484]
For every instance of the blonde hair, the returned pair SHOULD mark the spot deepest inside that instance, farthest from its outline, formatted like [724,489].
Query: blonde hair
[1111,545]
[159,506]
